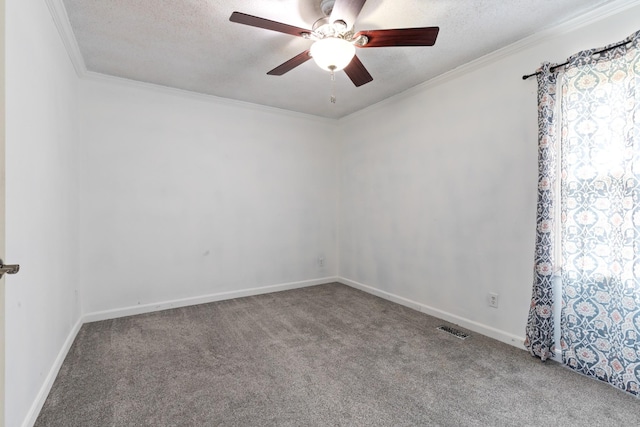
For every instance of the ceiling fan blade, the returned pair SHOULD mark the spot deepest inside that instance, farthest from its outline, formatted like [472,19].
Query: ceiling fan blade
[357,72]
[347,11]
[254,21]
[425,36]
[290,64]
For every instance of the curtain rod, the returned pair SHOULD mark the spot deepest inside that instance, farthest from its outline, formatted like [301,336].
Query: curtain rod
[554,67]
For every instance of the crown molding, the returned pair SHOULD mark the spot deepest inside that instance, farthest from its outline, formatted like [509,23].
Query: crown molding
[212,99]
[61,20]
[595,15]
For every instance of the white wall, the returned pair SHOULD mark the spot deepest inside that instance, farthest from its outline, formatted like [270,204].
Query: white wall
[41,202]
[183,197]
[136,196]
[438,186]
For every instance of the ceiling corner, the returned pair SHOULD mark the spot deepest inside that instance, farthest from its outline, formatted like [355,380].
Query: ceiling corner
[61,20]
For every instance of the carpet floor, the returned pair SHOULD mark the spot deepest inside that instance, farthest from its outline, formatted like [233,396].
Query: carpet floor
[325,355]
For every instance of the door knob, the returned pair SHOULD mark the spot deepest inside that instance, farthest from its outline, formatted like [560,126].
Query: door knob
[9,268]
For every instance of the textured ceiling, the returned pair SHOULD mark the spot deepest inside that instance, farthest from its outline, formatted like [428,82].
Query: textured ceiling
[192,45]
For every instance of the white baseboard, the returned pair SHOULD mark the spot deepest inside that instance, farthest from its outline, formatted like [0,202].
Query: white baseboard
[184,302]
[472,325]
[32,415]
[38,403]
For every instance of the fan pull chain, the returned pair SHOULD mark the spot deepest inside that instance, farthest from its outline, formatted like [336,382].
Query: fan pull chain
[333,87]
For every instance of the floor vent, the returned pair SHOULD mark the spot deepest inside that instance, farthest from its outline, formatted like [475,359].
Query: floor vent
[453,331]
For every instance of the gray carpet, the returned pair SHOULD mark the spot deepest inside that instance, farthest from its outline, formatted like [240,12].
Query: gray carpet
[323,355]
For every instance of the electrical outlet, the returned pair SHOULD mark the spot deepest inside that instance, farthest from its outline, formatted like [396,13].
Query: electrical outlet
[320,261]
[493,300]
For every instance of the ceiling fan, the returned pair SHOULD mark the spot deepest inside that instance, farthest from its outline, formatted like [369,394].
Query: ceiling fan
[335,40]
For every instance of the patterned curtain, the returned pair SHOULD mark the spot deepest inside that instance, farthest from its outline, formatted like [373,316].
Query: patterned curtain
[600,321]
[539,334]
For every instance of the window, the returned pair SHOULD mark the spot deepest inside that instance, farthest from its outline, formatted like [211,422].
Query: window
[600,218]
[589,215]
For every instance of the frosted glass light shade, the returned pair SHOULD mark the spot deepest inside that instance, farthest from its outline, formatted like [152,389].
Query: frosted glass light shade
[332,53]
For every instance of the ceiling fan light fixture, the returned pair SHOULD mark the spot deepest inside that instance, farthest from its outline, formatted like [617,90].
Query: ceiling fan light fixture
[332,53]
